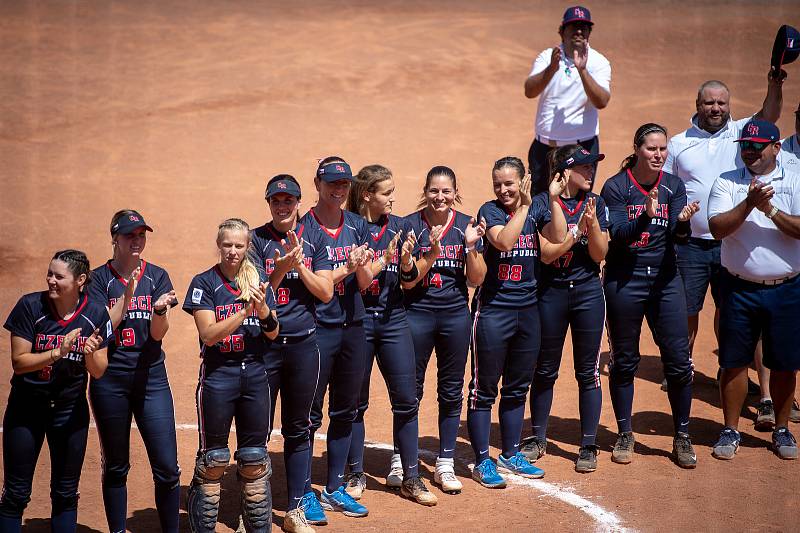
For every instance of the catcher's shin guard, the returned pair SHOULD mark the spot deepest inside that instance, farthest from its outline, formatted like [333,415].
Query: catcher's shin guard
[204,492]
[254,469]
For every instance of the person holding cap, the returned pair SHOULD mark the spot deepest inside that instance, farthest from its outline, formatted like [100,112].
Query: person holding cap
[571,295]
[573,82]
[755,211]
[340,332]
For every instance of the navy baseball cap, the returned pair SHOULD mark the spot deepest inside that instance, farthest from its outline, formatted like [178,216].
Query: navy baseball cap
[129,223]
[581,157]
[761,131]
[577,14]
[335,172]
[786,47]
[282,186]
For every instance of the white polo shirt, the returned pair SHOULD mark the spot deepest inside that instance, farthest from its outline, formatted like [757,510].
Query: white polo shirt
[789,156]
[698,158]
[565,112]
[758,249]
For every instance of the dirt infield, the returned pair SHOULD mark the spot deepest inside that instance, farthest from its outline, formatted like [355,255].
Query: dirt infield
[184,109]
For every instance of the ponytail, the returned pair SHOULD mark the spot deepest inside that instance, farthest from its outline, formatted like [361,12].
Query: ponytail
[557,156]
[247,276]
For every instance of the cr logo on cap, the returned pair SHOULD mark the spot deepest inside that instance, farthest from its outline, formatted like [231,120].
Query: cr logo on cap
[281,185]
[340,168]
[133,218]
[752,129]
[579,12]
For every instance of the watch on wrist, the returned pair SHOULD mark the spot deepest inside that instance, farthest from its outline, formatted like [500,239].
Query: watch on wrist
[574,232]
[772,212]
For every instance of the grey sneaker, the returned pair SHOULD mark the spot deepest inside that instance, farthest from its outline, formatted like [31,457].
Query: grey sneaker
[623,448]
[765,421]
[727,444]
[534,448]
[394,480]
[783,443]
[683,450]
[587,459]
[355,483]
[794,414]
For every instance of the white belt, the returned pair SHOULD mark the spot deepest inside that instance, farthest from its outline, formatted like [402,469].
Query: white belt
[777,281]
[553,142]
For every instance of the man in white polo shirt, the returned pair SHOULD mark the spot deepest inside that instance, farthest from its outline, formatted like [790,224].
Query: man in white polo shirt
[755,211]
[572,81]
[698,156]
[790,147]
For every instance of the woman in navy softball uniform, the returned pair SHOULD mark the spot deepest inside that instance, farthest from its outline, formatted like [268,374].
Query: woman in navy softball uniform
[648,215]
[388,336]
[571,295]
[448,257]
[231,305]
[506,332]
[297,265]
[138,295]
[56,336]
[340,332]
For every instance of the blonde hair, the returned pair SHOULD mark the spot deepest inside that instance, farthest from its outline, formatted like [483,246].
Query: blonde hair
[366,180]
[247,275]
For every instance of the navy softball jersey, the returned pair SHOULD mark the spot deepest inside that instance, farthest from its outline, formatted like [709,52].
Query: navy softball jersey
[636,238]
[384,293]
[641,280]
[576,265]
[445,285]
[295,303]
[511,276]
[132,347]
[211,291]
[34,319]
[343,307]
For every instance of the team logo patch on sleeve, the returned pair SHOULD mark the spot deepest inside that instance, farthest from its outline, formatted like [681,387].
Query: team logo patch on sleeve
[109,329]
[197,295]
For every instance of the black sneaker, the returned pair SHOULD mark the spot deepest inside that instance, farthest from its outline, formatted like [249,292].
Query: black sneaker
[623,448]
[684,451]
[533,448]
[765,421]
[587,459]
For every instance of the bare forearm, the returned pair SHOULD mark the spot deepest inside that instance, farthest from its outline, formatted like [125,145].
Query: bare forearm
[31,362]
[508,236]
[724,224]
[159,325]
[476,268]
[556,229]
[598,244]
[96,362]
[789,224]
[117,312]
[317,284]
[534,85]
[598,96]
[364,276]
[773,102]
[214,332]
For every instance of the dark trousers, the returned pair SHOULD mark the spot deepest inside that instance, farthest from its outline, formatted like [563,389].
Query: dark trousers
[540,168]
[228,391]
[29,419]
[144,395]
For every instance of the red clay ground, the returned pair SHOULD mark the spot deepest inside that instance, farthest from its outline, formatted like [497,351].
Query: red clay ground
[183,110]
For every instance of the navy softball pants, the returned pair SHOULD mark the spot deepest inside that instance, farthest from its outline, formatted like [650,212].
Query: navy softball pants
[30,418]
[505,345]
[143,394]
[582,307]
[655,294]
[389,341]
[232,390]
[293,369]
[342,351]
[448,332]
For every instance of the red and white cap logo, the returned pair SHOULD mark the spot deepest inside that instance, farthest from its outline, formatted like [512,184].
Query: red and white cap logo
[752,129]
[281,185]
[339,168]
[133,218]
[579,13]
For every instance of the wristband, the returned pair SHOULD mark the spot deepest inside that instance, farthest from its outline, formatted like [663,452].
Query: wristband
[411,275]
[268,324]
[162,312]
[382,262]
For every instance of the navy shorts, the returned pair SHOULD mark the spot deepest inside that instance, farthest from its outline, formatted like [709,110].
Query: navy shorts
[752,310]
[700,266]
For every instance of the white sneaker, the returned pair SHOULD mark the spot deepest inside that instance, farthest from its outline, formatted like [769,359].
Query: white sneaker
[395,478]
[445,476]
[295,522]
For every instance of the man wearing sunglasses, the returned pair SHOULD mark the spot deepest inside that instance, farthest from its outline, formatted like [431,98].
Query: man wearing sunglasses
[698,156]
[755,211]
[572,81]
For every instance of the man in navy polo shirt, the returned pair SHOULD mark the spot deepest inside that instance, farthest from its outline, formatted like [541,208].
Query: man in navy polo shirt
[755,211]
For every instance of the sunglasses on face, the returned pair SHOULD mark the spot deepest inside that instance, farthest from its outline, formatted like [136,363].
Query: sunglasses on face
[582,26]
[753,145]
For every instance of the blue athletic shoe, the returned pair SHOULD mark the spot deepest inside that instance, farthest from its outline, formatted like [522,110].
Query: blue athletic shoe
[486,474]
[727,444]
[342,502]
[313,510]
[519,465]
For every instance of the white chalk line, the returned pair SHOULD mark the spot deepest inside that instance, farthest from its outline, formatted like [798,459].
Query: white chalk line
[605,520]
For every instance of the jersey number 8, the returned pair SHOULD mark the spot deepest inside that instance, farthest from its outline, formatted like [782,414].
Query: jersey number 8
[507,272]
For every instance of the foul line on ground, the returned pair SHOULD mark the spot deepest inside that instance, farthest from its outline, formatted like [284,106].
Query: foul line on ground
[605,520]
